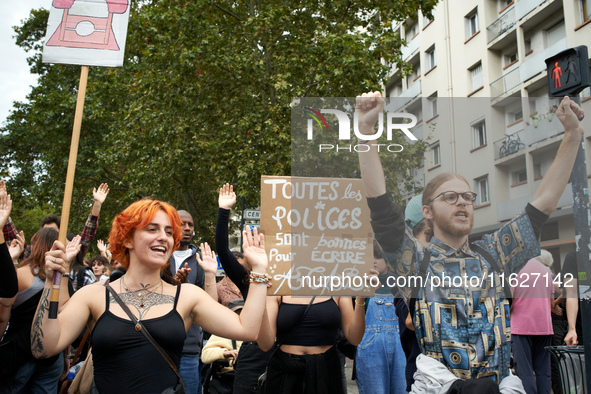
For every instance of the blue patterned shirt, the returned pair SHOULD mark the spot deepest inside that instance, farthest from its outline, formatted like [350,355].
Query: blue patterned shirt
[463,321]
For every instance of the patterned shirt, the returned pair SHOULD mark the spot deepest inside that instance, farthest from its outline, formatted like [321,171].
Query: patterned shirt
[461,315]
[88,233]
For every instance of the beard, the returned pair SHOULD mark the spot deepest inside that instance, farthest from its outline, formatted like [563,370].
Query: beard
[185,243]
[447,226]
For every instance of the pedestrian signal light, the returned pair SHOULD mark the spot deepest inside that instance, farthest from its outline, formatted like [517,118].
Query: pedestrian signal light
[568,72]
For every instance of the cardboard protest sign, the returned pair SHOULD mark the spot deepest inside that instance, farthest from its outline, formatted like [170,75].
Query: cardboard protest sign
[317,235]
[87,32]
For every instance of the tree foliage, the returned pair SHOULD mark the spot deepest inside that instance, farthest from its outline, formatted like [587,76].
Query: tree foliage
[203,98]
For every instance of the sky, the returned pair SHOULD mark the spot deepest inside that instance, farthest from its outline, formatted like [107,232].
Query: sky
[14,70]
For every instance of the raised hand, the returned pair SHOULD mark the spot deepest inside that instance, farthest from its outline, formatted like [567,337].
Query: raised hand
[207,261]
[17,246]
[182,274]
[2,187]
[227,196]
[253,246]
[104,249]
[570,115]
[368,106]
[72,248]
[101,194]
[5,207]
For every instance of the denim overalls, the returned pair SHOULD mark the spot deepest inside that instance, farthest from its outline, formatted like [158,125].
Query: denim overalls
[380,360]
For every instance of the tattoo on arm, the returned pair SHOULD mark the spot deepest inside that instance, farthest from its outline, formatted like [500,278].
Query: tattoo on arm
[36,332]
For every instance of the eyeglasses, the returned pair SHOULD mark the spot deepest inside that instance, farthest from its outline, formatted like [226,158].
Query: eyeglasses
[452,197]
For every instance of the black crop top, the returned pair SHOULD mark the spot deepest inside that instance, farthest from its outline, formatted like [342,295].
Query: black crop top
[126,362]
[319,327]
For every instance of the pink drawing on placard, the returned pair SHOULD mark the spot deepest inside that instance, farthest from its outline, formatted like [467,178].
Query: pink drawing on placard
[101,37]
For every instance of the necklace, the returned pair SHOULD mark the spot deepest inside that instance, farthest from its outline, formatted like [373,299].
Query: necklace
[150,291]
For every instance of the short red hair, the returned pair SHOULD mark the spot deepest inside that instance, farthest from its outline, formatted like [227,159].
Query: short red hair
[139,215]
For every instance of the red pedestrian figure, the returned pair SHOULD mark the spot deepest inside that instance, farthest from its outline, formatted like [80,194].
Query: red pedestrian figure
[556,74]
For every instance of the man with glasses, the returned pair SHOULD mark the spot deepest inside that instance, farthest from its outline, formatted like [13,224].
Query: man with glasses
[459,304]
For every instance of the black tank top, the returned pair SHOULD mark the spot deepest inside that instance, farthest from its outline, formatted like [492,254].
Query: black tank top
[319,327]
[126,362]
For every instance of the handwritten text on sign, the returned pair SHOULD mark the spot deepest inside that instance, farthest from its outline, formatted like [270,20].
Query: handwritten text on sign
[317,230]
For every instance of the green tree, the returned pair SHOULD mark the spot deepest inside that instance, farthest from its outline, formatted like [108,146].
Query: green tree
[202,99]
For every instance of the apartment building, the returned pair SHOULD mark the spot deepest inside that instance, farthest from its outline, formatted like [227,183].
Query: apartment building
[478,88]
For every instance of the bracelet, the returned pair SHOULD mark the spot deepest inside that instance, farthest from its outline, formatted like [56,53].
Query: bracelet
[363,141]
[255,277]
[358,304]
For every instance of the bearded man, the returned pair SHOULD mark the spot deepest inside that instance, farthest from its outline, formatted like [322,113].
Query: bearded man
[459,305]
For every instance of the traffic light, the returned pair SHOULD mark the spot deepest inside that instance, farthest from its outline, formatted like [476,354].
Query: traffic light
[568,72]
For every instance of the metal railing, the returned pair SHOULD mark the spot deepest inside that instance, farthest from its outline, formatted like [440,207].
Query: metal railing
[508,145]
[505,83]
[501,25]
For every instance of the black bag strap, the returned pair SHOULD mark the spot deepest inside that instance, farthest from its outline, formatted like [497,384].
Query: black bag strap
[144,331]
[494,265]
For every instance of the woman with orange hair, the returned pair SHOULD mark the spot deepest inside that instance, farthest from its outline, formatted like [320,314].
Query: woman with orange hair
[142,238]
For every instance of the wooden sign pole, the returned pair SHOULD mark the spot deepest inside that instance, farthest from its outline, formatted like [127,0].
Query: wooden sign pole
[55,291]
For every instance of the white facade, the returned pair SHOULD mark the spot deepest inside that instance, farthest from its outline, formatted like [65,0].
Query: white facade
[498,131]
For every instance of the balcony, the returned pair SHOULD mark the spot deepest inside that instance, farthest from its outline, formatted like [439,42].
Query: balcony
[524,7]
[504,84]
[410,48]
[501,25]
[507,210]
[535,64]
[398,102]
[537,128]
[540,128]
[508,145]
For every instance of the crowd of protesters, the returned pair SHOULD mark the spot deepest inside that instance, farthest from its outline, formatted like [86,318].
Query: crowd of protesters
[151,280]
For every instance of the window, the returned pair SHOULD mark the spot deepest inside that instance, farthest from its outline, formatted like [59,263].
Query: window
[396,89]
[471,23]
[555,34]
[537,171]
[476,76]
[430,58]
[411,31]
[527,46]
[479,134]
[426,21]
[414,75]
[510,57]
[519,176]
[432,105]
[503,4]
[481,186]
[436,154]
[585,10]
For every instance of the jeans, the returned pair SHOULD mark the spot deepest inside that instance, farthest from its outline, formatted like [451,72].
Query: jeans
[36,378]
[380,360]
[189,371]
[531,357]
